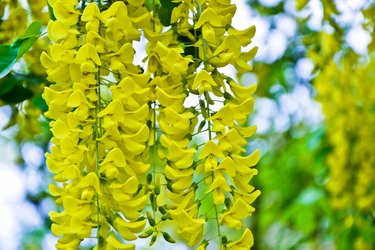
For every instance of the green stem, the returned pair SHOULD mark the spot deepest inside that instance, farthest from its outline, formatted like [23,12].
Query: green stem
[97,160]
[83,4]
[204,40]
[153,15]
[208,115]
[155,140]
[213,175]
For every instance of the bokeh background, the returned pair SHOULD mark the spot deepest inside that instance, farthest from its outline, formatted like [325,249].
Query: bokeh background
[315,113]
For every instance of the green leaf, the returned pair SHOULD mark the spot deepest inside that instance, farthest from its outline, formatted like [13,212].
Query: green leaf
[32,31]
[28,38]
[8,57]
[40,103]
[26,45]
[9,53]
[152,4]
[17,94]
[165,16]
[12,88]
[168,4]
[7,83]
[51,13]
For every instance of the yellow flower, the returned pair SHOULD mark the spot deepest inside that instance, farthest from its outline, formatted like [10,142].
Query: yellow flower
[88,58]
[210,148]
[65,12]
[174,123]
[189,228]
[218,186]
[114,243]
[128,229]
[58,31]
[91,15]
[244,243]
[183,158]
[241,92]
[121,58]
[244,36]
[244,163]
[173,101]
[208,19]
[235,214]
[204,82]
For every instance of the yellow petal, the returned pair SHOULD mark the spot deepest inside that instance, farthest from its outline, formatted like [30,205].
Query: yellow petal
[126,233]
[90,12]
[244,36]
[245,242]
[117,9]
[65,12]
[182,183]
[137,203]
[140,136]
[115,109]
[225,115]
[47,61]
[230,222]
[210,16]
[210,148]
[59,129]
[130,186]
[116,244]
[208,34]
[245,162]
[77,98]
[55,190]
[115,156]
[86,53]
[57,30]
[203,77]
[174,174]
[90,180]
[219,183]
[228,166]
[125,54]
[140,114]
[133,226]
[242,92]
[168,100]
[246,131]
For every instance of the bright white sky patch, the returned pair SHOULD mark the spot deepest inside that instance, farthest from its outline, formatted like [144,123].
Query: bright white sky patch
[358,39]
[304,68]
[270,3]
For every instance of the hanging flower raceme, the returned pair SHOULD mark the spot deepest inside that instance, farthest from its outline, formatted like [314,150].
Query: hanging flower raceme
[124,152]
[350,136]
[13,24]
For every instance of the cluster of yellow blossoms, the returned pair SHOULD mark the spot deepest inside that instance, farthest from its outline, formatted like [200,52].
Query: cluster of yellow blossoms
[14,18]
[14,24]
[347,96]
[124,153]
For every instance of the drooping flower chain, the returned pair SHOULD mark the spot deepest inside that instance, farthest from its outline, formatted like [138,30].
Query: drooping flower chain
[123,147]
[348,104]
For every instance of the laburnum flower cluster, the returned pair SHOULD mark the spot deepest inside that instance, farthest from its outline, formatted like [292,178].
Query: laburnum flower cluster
[14,17]
[126,151]
[347,96]
[12,24]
